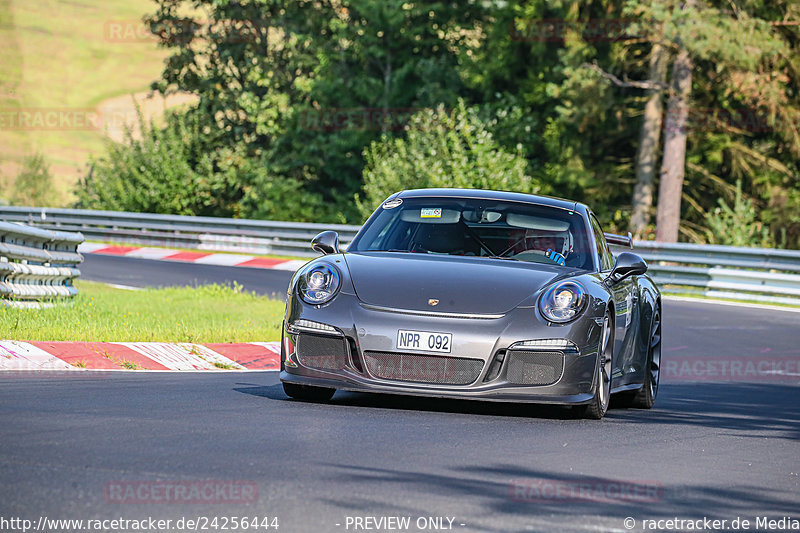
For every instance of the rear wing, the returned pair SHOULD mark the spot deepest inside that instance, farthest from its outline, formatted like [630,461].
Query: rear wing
[621,240]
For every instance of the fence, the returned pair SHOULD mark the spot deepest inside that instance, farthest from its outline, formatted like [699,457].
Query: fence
[719,271]
[37,265]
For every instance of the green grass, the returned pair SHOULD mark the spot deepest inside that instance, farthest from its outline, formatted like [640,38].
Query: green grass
[210,313]
[60,55]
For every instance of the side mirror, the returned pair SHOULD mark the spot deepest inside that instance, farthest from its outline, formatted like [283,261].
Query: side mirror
[326,243]
[626,265]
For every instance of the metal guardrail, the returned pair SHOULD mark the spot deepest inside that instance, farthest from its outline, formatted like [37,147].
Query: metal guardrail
[176,231]
[36,264]
[727,272]
[760,274]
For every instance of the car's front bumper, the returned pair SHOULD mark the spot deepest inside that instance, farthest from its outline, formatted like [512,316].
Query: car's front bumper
[364,331]
[498,394]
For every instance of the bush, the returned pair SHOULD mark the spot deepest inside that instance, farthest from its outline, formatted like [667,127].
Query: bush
[442,149]
[167,171]
[34,184]
[273,197]
[181,169]
[737,225]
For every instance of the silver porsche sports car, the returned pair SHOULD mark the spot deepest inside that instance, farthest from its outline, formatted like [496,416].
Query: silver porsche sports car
[475,294]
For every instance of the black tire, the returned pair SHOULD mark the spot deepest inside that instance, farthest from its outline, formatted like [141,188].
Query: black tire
[645,397]
[307,392]
[596,410]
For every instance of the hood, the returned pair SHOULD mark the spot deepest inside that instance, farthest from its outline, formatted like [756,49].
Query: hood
[461,284]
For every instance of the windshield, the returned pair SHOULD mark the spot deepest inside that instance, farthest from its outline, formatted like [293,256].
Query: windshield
[479,228]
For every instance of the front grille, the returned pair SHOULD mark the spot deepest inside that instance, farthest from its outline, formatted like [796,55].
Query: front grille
[534,368]
[440,370]
[321,352]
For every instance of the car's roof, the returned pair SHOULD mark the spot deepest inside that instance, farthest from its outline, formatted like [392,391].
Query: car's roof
[493,195]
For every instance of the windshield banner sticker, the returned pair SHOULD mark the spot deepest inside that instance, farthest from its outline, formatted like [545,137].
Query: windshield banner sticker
[431,213]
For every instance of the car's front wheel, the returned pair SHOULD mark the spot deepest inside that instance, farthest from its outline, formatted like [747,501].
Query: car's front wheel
[602,390]
[307,392]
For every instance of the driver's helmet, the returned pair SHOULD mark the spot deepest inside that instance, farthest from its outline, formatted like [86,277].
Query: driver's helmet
[550,241]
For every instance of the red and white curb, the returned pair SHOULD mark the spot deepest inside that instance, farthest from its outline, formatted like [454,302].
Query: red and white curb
[203,258]
[33,355]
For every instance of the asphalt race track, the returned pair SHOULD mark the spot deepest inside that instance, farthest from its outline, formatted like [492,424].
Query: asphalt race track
[135,272]
[710,448]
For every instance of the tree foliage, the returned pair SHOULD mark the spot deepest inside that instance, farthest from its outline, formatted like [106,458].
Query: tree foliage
[442,149]
[34,184]
[166,171]
[737,225]
[303,104]
[171,170]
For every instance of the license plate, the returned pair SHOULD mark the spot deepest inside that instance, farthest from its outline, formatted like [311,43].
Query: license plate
[424,341]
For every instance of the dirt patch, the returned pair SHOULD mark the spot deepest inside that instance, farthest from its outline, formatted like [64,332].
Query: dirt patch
[117,113]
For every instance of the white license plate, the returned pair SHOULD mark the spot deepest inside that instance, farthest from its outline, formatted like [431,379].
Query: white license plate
[425,341]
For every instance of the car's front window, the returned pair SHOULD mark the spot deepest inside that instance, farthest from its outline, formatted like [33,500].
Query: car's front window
[479,228]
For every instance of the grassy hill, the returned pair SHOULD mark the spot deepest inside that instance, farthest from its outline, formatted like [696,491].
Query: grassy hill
[59,63]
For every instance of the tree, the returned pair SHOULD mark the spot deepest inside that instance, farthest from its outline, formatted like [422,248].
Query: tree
[735,52]
[277,76]
[169,170]
[441,149]
[291,94]
[673,163]
[737,225]
[575,131]
[34,184]
[649,144]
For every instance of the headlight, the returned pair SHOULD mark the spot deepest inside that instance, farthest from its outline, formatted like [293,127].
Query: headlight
[563,301]
[318,283]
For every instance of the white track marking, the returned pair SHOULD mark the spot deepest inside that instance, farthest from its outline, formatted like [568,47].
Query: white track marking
[17,355]
[209,355]
[290,265]
[150,253]
[219,259]
[224,259]
[181,356]
[274,347]
[90,247]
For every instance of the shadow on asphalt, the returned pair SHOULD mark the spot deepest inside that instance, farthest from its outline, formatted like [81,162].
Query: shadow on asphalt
[273,392]
[503,489]
[416,403]
[740,407]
